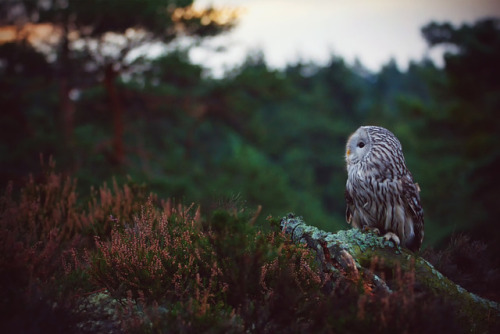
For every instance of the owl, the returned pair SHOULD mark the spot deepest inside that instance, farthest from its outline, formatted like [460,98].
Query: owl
[380,192]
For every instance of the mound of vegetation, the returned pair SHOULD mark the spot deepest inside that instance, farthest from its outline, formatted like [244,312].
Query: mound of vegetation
[127,261]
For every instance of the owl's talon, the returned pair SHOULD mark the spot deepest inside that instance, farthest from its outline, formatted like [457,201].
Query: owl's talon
[371,229]
[391,236]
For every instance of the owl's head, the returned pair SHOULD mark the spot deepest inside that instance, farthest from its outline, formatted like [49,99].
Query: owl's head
[373,140]
[358,146]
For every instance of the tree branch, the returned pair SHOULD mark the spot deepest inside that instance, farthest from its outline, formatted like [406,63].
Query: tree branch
[366,256]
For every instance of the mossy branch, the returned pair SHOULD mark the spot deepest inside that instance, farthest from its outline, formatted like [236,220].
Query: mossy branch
[368,257]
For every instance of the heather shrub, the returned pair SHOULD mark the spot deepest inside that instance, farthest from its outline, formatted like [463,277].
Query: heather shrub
[267,277]
[469,263]
[408,309]
[173,270]
[243,279]
[43,223]
[108,207]
[182,317]
[44,230]
[351,309]
[223,273]
[156,258]
[39,224]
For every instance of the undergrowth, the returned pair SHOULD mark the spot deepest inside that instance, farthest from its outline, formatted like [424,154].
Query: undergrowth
[167,268]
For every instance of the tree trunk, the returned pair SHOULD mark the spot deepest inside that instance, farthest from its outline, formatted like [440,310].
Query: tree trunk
[67,110]
[66,106]
[116,109]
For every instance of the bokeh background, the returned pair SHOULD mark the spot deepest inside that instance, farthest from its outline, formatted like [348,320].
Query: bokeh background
[181,98]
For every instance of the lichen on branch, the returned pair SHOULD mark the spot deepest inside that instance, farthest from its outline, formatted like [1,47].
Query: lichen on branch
[372,260]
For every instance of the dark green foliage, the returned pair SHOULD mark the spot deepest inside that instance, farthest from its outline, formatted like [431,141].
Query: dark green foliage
[469,121]
[276,137]
[27,102]
[469,263]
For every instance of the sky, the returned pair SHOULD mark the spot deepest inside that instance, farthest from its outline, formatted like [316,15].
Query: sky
[373,31]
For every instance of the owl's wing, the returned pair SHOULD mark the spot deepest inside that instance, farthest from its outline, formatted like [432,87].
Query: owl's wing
[349,207]
[411,195]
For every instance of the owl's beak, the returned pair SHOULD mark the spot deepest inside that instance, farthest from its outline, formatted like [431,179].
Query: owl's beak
[348,151]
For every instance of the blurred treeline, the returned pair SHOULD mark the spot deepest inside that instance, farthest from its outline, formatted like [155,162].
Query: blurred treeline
[77,82]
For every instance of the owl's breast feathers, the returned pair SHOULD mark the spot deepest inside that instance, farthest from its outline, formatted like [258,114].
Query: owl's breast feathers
[349,206]
[388,204]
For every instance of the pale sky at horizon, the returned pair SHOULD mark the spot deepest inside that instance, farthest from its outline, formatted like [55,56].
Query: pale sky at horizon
[374,31]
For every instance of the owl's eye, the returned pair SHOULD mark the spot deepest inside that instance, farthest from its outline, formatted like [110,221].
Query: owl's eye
[361,144]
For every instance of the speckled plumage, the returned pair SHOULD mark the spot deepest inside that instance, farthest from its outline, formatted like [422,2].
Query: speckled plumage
[380,192]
